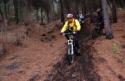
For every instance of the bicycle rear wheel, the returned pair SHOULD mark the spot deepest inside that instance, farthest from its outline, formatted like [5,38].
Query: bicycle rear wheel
[70,59]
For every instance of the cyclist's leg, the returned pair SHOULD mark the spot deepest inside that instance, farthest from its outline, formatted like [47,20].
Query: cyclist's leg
[77,44]
[67,37]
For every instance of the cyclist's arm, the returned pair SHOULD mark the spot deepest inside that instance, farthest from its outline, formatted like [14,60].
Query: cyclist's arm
[78,25]
[64,28]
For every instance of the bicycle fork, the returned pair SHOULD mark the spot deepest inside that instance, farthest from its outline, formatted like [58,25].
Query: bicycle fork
[70,51]
[70,47]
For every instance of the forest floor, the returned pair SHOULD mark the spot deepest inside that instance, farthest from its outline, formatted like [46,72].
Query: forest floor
[41,55]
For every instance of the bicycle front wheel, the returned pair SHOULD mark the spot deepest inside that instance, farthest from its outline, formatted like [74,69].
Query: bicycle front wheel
[70,54]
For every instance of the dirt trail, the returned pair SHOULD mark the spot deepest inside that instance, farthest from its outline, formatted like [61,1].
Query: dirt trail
[43,58]
[100,60]
[34,60]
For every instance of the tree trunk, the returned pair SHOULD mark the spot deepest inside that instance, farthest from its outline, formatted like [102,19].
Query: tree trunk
[5,8]
[114,12]
[62,12]
[84,7]
[48,19]
[67,5]
[1,13]
[15,2]
[122,3]
[107,24]
[41,16]
[37,14]
[91,6]
[5,12]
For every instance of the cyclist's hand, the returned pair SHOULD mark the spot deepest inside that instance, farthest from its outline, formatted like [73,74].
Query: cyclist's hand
[77,31]
[63,34]
[74,32]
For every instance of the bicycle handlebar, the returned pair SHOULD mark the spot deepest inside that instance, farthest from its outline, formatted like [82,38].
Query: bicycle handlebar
[71,33]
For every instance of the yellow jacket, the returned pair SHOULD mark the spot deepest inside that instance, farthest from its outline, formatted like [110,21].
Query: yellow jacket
[74,25]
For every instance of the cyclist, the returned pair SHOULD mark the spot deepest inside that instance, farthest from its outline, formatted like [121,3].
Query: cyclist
[81,18]
[72,25]
[100,20]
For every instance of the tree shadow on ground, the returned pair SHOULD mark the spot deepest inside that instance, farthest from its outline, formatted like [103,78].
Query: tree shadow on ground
[82,69]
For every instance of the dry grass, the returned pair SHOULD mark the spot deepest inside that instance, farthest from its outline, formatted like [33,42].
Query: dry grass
[116,47]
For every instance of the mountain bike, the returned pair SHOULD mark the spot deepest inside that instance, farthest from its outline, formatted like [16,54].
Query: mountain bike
[72,49]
